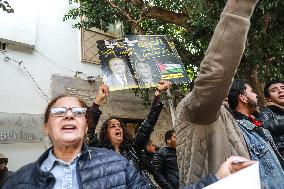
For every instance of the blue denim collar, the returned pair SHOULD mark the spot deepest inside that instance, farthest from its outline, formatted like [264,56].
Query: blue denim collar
[50,161]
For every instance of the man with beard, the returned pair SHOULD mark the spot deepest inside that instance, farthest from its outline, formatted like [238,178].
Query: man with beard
[243,102]
[273,113]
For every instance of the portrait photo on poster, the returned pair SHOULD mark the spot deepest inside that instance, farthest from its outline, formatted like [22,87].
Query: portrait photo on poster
[146,72]
[115,65]
[159,54]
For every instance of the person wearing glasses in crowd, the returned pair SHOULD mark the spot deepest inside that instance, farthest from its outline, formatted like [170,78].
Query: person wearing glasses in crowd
[114,136]
[69,163]
[4,172]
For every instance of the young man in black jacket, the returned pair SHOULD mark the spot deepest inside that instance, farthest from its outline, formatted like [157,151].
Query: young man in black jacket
[272,115]
[165,163]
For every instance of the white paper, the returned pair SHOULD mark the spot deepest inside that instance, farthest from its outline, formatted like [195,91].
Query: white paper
[246,178]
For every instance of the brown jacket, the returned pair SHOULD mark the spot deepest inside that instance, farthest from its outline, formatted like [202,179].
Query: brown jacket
[207,133]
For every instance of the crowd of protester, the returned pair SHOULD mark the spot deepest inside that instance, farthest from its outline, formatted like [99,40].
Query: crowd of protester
[219,130]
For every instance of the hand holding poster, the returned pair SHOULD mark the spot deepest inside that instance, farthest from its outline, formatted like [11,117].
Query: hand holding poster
[148,59]
[246,178]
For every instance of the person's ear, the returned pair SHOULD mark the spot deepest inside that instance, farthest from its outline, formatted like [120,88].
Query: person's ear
[242,98]
[268,99]
[168,141]
[45,129]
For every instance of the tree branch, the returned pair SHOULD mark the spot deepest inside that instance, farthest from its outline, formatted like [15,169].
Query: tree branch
[134,23]
[125,13]
[180,19]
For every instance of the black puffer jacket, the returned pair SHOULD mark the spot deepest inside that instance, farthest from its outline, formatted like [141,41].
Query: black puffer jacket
[272,117]
[165,164]
[134,151]
[96,167]
[4,176]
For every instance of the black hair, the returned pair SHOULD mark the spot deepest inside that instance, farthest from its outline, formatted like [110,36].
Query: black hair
[238,87]
[105,141]
[268,84]
[169,134]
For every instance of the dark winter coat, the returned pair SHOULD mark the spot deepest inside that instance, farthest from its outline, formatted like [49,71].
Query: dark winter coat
[148,167]
[4,176]
[146,161]
[96,168]
[272,117]
[165,164]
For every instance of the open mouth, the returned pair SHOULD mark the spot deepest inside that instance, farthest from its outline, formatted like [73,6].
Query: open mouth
[281,96]
[118,134]
[69,127]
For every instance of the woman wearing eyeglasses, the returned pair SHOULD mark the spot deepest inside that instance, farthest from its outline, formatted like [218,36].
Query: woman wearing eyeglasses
[114,136]
[69,163]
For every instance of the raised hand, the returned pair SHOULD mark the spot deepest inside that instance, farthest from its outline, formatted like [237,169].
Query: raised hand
[163,85]
[102,94]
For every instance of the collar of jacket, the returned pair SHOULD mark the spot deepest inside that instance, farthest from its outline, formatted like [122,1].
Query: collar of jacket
[241,117]
[170,148]
[42,176]
[238,115]
[275,107]
[3,171]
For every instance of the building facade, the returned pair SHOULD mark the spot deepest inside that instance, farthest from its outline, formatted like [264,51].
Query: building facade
[41,57]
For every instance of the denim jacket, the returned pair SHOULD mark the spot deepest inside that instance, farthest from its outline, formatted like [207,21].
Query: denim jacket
[262,148]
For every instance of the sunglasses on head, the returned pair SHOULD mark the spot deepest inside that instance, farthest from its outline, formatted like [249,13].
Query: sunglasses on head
[61,111]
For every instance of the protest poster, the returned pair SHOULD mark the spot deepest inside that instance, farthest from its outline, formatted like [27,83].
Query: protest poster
[246,178]
[115,65]
[154,58]
[140,60]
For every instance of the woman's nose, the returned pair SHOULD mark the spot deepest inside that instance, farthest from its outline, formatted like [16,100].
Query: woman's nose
[69,113]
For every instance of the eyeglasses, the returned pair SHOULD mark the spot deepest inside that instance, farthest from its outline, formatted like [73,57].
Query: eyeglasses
[61,111]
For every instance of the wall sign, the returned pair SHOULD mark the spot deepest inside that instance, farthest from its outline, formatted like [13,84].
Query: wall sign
[21,128]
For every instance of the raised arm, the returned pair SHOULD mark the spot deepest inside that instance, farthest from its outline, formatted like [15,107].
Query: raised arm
[220,63]
[147,126]
[94,114]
